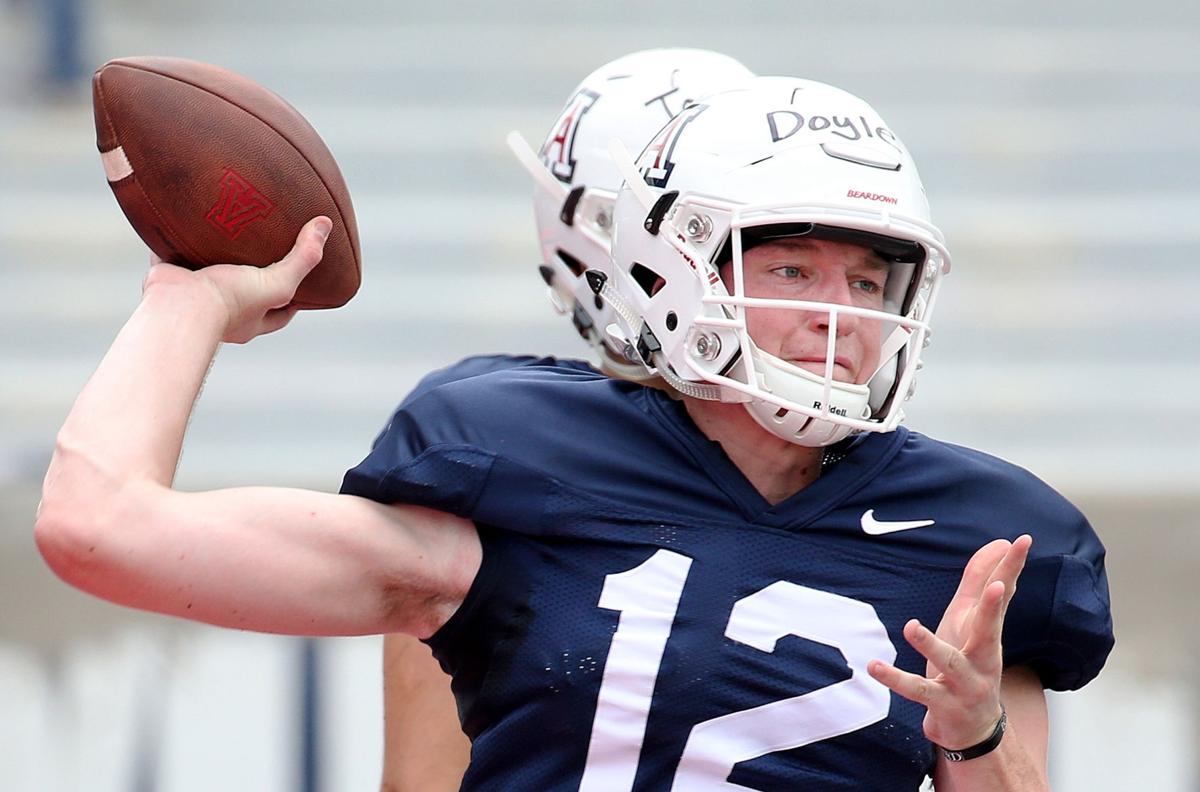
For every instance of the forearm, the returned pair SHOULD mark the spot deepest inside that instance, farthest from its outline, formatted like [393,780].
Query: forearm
[122,438]
[1018,764]
[1009,768]
[129,420]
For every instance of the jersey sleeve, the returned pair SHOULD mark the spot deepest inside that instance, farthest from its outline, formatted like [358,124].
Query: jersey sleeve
[1059,622]
[441,446]
[405,465]
[476,365]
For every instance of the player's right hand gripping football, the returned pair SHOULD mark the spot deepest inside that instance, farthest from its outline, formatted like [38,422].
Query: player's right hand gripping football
[256,300]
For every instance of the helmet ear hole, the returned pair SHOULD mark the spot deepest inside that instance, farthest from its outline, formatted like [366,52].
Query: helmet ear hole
[650,281]
[573,264]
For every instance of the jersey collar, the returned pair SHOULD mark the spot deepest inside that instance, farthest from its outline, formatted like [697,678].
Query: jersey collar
[864,459]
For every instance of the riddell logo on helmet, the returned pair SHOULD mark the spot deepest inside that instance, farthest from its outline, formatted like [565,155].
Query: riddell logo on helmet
[833,410]
[870,196]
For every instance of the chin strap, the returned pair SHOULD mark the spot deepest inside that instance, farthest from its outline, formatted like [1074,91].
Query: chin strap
[891,347]
[618,364]
[693,389]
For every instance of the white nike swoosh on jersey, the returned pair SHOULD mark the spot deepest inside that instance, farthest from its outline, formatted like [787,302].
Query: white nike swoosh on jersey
[880,527]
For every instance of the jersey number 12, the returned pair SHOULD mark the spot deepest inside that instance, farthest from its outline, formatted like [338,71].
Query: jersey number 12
[647,598]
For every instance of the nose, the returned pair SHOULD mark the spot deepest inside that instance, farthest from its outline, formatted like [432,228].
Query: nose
[832,288]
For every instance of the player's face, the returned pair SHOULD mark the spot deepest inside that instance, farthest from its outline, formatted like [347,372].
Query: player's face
[820,271]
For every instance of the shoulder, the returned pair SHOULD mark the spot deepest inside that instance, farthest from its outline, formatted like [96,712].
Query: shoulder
[446,403]
[471,444]
[941,459]
[1059,623]
[989,493]
[529,400]
[477,365]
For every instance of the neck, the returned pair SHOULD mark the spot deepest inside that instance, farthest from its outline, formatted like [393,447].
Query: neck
[776,468]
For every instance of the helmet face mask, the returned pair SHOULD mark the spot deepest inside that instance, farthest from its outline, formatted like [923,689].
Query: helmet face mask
[742,185]
[576,182]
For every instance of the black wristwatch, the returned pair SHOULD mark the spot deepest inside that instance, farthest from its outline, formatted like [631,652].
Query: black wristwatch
[979,749]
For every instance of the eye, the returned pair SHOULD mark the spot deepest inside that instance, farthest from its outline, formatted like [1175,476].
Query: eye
[788,271]
[867,285]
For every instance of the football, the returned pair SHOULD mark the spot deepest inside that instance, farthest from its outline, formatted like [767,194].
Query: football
[212,168]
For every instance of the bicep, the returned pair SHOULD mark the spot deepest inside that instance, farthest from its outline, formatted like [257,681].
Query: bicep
[280,560]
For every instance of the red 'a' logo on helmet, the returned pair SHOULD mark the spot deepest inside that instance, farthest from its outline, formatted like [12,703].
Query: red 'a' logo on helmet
[657,160]
[557,152]
[239,205]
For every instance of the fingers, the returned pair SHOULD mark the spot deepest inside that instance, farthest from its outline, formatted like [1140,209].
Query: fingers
[985,624]
[289,271]
[1011,564]
[277,319]
[913,687]
[953,717]
[958,687]
[996,560]
[983,641]
[942,656]
[979,569]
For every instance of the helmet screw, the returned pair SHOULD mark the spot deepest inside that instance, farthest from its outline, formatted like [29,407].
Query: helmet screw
[706,347]
[604,219]
[698,228]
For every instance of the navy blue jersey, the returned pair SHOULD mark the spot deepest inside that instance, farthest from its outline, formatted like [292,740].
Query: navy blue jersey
[644,620]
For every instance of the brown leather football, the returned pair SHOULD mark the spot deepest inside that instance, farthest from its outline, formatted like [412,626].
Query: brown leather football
[212,168]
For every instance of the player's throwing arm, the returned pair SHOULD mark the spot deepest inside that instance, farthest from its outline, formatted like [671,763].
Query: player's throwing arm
[266,559]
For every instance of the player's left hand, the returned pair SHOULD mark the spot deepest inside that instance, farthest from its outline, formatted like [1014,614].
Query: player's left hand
[961,686]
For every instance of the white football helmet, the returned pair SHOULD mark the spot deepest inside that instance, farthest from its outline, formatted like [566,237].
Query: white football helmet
[775,158]
[576,182]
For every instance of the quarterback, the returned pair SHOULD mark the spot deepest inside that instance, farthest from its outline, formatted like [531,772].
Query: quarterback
[761,580]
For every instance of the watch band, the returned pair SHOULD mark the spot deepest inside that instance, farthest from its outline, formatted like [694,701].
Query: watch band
[979,749]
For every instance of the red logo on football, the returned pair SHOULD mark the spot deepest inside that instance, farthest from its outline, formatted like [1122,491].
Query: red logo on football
[239,205]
